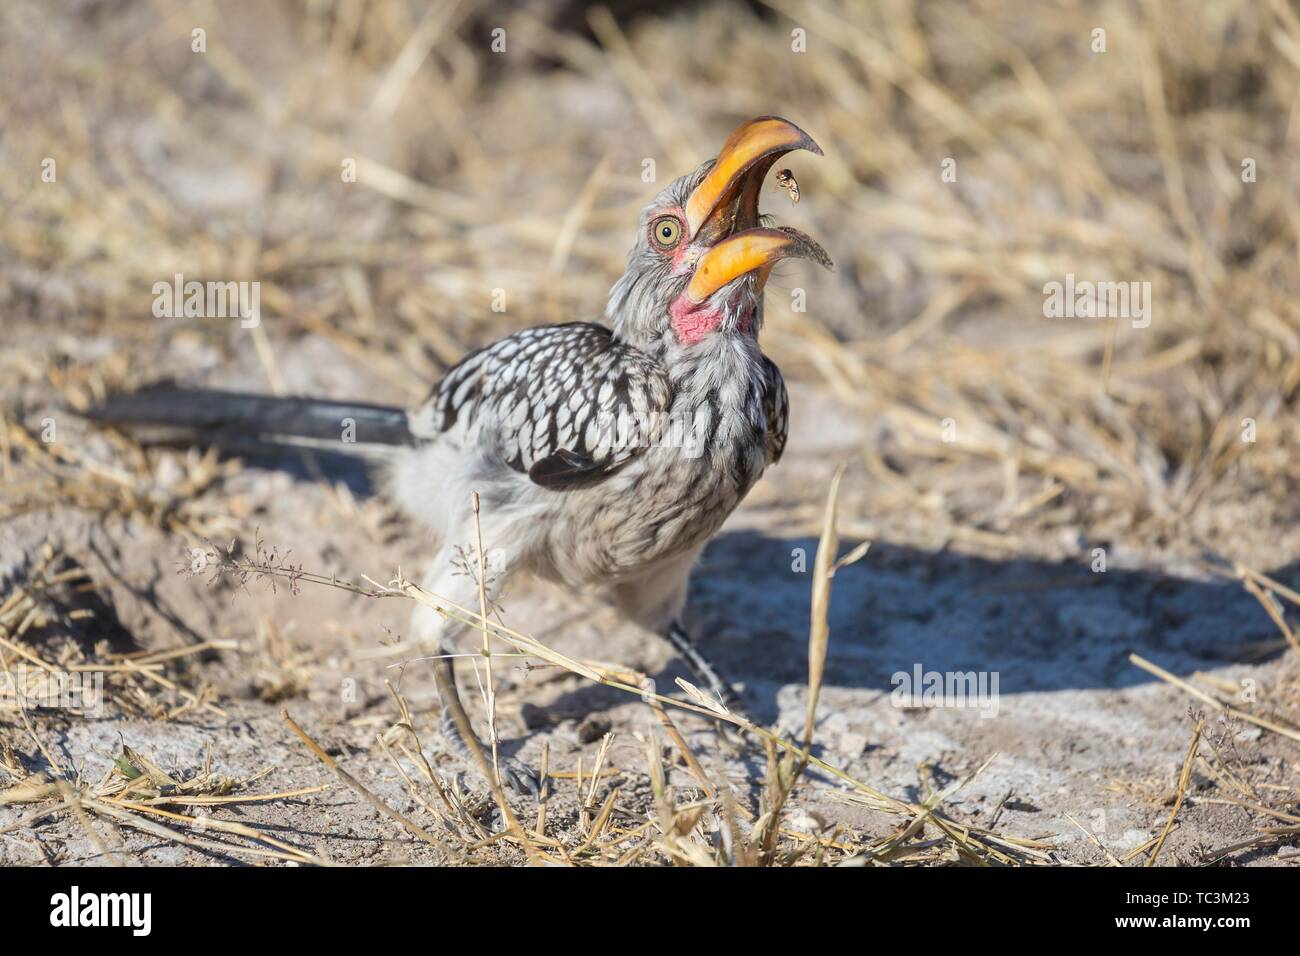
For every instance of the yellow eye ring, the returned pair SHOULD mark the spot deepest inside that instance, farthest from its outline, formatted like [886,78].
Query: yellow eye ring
[667,231]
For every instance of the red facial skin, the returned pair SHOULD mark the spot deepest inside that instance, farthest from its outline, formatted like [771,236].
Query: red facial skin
[691,321]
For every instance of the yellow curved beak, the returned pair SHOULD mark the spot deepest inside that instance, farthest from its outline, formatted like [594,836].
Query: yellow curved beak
[751,149]
[749,250]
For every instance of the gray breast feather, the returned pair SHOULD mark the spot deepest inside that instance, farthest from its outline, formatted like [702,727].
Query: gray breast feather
[548,401]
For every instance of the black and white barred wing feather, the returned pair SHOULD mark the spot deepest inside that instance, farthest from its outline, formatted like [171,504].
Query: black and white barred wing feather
[776,409]
[549,402]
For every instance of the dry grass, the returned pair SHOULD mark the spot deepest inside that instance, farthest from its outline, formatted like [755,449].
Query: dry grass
[477,173]
[136,790]
[1118,166]
[45,624]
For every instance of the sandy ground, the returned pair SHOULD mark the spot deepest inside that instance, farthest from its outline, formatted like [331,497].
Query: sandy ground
[1078,731]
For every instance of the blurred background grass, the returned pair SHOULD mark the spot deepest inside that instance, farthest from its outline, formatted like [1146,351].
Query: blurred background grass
[522,170]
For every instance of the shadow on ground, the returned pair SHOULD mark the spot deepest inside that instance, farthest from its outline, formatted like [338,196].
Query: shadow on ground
[1041,626]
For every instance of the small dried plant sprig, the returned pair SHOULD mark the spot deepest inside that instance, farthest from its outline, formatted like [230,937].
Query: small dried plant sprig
[268,564]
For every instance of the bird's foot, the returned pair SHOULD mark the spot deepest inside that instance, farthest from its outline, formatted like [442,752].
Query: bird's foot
[514,775]
[714,683]
[518,776]
[732,734]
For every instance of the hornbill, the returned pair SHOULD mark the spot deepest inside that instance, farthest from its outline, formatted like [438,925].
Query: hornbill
[603,455]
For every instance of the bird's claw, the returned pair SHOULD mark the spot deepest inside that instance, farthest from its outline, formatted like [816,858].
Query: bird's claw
[734,735]
[513,774]
[518,776]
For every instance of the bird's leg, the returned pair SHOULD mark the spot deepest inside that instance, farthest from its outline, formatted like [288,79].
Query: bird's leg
[708,675]
[655,601]
[428,625]
[459,732]
[700,666]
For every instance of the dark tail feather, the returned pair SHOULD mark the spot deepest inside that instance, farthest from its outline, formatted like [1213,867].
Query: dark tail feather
[231,417]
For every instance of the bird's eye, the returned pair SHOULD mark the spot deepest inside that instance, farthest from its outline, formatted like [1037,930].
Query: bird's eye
[667,230]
